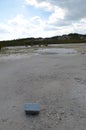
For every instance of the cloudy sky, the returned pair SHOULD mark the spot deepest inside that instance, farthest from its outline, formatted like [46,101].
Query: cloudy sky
[41,18]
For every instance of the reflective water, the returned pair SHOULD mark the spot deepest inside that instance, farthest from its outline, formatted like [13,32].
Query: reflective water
[56,51]
[13,54]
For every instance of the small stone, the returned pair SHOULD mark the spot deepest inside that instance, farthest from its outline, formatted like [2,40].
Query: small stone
[62,112]
[48,115]
[59,118]
[56,122]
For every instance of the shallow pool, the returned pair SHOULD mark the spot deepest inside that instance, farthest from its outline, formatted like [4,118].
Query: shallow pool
[56,51]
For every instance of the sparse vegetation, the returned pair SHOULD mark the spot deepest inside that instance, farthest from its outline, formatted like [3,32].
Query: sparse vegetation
[70,38]
[0,47]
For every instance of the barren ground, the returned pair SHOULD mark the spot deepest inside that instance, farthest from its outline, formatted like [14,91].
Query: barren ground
[56,82]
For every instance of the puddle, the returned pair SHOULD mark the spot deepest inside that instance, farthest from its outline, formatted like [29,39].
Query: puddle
[11,55]
[56,51]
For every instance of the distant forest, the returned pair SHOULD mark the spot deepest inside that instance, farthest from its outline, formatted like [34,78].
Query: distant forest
[70,38]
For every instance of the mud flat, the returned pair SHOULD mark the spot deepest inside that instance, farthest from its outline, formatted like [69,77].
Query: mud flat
[56,81]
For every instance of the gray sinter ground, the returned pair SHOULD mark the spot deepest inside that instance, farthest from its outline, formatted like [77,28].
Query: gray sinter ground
[57,82]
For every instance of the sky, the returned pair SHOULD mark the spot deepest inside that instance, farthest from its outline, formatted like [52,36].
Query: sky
[41,18]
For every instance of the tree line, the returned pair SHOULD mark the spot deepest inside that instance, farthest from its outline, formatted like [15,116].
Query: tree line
[70,38]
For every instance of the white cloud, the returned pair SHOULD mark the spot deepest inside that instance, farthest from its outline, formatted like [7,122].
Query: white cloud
[80,26]
[20,27]
[43,4]
[18,20]
[58,14]
[32,2]
[14,27]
